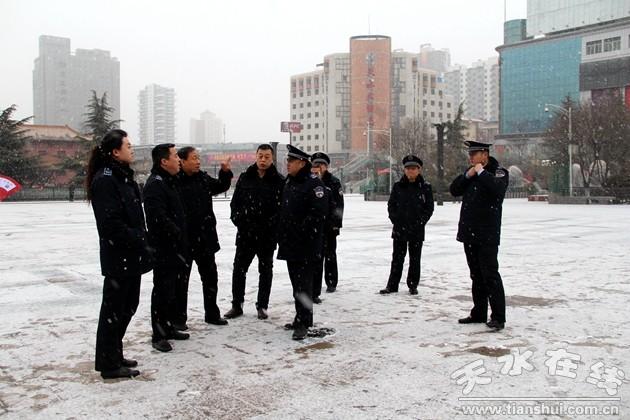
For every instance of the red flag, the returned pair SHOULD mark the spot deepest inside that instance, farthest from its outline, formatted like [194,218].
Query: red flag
[8,186]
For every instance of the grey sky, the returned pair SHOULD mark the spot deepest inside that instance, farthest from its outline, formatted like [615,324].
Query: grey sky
[234,58]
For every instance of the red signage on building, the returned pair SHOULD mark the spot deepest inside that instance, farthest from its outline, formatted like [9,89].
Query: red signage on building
[291,126]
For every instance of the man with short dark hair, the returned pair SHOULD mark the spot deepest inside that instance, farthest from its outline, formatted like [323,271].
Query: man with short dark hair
[196,191]
[410,207]
[483,187]
[166,223]
[255,206]
[301,234]
[328,267]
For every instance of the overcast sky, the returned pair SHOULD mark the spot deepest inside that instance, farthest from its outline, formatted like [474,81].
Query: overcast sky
[234,58]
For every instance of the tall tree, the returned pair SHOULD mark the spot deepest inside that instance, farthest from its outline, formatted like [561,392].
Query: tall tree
[14,158]
[99,117]
[454,154]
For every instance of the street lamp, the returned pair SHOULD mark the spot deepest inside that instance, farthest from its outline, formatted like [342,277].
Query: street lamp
[566,111]
[388,133]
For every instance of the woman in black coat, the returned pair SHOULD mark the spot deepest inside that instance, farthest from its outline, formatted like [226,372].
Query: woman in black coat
[124,252]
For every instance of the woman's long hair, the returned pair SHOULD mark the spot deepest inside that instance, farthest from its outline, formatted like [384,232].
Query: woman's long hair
[101,155]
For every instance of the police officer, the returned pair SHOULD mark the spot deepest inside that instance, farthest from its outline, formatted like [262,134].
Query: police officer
[328,266]
[410,207]
[166,223]
[124,250]
[255,208]
[483,187]
[196,191]
[301,234]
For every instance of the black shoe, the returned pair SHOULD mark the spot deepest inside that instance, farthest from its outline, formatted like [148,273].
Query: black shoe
[178,335]
[235,312]
[216,321]
[413,290]
[262,313]
[162,345]
[300,332]
[317,300]
[387,291]
[129,363]
[331,289]
[289,326]
[469,320]
[180,326]
[121,372]
[495,325]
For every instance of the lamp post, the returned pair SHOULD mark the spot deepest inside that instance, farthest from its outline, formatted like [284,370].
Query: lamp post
[567,111]
[388,133]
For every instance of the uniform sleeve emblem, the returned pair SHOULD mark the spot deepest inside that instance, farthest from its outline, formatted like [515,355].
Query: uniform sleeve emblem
[500,173]
[319,192]
[158,177]
[107,172]
[341,192]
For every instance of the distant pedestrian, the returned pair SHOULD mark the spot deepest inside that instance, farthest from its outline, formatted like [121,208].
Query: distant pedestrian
[301,234]
[255,210]
[410,207]
[125,254]
[483,187]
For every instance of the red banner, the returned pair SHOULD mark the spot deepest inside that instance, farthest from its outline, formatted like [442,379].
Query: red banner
[8,186]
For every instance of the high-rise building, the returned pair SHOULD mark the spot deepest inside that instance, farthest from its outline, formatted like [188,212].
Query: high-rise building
[575,57]
[63,82]
[477,87]
[156,105]
[430,58]
[370,87]
[208,129]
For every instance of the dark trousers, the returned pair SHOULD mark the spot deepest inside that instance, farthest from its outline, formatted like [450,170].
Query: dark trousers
[327,266]
[120,301]
[398,260]
[301,275]
[209,285]
[486,282]
[242,260]
[165,280]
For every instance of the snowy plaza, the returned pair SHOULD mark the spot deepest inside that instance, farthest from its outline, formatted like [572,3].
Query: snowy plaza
[566,343]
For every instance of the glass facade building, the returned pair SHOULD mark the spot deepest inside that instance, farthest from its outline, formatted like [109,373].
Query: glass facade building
[533,74]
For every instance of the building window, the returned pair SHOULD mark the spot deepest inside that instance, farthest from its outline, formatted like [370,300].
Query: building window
[440,117]
[308,92]
[316,114]
[316,91]
[308,104]
[316,125]
[308,115]
[293,96]
[612,44]
[301,116]
[308,137]
[448,104]
[448,117]
[301,137]
[432,114]
[424,102]
[308,126]
[316,136]
[293,106]
[424,114]
[316,103]
[432,103]
[293,117]
[308,148]
[316,148]
[301,105]
[594,47]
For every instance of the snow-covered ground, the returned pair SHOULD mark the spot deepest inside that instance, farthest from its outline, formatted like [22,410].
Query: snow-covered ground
[566,274]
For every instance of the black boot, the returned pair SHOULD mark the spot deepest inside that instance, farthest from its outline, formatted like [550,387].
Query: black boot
[129,363]
[121,372]
[235,312]
[387,291]
[162,345]
[300,332]
[470,320]
[262,313]
[495,325]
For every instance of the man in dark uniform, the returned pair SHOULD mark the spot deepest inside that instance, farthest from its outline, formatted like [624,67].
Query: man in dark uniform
[124,251]
[328,266]
[196,191]
[483,187]
[410,207]
[255,207]
[301,234]
[166,222]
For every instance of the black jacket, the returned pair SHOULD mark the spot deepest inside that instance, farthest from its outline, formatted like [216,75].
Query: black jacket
[120,223]
[410,206]
[166,220]
[334,221]
[196,192]
[480,215]
[256,205]
[302,217]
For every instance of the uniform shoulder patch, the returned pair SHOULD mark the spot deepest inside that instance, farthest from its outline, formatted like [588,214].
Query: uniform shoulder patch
[313,176]
[107,172]
[159,178]
[319,191]
[340,191]
[500,173]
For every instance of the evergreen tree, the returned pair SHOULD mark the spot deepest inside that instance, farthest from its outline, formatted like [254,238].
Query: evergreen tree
[14,160]
[99,117]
